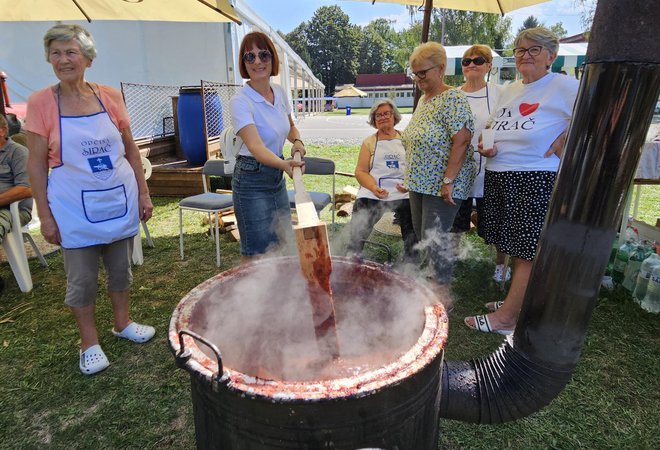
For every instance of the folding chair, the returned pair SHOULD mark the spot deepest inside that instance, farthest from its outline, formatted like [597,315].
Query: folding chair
[207,202]
[14,247]
[318,166]
[138,256]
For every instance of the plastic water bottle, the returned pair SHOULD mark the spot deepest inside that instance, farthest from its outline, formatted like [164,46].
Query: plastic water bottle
[644,276]
[637,255]
[621,261]
[613,252]
[651,302]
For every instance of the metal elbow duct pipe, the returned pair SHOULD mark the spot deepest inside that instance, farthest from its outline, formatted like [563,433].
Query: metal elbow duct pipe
[614,108]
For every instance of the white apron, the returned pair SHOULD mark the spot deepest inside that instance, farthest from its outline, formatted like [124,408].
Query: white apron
[388,169]
[93,195]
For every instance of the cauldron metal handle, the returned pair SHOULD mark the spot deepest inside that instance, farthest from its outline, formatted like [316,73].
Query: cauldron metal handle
[184,353]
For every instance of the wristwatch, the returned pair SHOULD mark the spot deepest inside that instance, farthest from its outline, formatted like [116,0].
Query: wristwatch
[447,180]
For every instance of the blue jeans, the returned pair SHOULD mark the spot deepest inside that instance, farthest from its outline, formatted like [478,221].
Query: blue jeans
[261,205]
[432,219]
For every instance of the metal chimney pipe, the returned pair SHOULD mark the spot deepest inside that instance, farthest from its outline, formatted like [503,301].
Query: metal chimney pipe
[613,111]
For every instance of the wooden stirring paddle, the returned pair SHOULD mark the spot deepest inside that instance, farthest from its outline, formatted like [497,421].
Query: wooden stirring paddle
[316,265]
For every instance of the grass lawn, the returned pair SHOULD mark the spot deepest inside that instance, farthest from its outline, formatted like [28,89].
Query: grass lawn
[143,401]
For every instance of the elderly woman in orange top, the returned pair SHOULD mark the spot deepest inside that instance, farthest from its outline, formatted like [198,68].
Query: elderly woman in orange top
[88,183]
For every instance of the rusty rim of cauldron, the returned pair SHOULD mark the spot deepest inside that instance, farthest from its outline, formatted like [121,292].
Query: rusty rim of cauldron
[427,347]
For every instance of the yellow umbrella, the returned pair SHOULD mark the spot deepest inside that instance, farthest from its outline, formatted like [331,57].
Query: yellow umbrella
[148,10]
[351,91]
[485,6]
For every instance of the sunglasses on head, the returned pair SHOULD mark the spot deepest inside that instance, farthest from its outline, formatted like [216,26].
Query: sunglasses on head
[478,61]
[251,57]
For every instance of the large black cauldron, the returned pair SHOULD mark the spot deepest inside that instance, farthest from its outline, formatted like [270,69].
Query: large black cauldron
[393,403]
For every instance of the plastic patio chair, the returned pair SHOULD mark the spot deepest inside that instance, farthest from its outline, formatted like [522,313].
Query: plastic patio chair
[14,247]
[209,203]
[138,256]
[318,166]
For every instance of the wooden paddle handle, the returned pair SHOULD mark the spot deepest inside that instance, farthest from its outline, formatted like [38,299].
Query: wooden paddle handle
[298,185]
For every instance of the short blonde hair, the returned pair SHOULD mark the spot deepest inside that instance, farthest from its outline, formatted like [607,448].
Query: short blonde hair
[64,32]
[378,104]
[429,51]
[480,50]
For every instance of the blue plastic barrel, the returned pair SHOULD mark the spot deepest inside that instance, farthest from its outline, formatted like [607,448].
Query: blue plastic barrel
[191,125]
[348,110]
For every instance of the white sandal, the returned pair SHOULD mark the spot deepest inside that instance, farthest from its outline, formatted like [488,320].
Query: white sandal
[136,332]
[494,306]
[93,360]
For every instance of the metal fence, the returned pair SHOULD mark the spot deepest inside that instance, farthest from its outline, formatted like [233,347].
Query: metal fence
[150,109]
[217,114]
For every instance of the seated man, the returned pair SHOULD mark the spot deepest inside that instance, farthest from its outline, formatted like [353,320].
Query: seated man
[14,183]
[15,132]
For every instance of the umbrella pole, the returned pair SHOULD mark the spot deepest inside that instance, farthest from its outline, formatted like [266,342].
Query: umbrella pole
[426,24]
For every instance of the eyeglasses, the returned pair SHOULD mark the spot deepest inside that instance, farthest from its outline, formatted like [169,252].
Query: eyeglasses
[385,115]
[421,74]
[478,61]
[534,50]
[251,57]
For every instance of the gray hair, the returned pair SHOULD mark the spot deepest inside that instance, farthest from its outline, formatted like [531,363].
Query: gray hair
[3,122]
[63,32]
[378,104]
[541,36]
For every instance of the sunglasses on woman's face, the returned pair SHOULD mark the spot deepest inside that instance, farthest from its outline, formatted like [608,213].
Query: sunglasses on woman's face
[478,61]
[251,57]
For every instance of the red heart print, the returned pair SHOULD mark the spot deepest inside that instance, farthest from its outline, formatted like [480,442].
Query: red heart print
[526,109]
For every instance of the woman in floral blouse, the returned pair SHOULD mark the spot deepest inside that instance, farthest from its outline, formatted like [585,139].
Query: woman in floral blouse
[437,140]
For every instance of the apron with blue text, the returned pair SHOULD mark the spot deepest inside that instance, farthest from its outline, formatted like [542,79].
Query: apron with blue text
[93,194]
[388,169]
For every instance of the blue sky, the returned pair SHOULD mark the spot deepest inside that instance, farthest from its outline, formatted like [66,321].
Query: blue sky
[285,15]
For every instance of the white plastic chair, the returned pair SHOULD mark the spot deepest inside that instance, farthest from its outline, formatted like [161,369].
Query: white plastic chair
[14,247]
[138,256]
[209,203]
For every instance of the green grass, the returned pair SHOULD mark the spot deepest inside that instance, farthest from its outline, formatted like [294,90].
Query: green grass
[143,401]
[649,204]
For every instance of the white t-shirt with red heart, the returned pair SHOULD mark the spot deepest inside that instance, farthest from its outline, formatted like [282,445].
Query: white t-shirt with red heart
[527,119]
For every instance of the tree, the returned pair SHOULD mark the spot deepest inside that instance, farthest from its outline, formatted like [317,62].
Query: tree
[405,42]
[559,30]
[530,22]
[333,47]
[297,40]
[587,11]
[468,28]
[377,48]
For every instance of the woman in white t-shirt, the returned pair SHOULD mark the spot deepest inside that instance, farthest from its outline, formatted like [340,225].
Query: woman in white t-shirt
[482,97]
[261,116]
[530,123]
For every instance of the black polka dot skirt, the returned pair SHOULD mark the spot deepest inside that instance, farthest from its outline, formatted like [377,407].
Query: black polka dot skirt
[515,204]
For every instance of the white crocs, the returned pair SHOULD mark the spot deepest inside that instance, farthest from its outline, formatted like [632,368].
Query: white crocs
[93,360]
[136,332]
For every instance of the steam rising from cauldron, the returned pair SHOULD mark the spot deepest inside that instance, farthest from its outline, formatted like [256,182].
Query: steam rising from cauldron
[262,324]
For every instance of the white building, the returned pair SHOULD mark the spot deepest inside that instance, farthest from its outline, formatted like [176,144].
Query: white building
[155,53]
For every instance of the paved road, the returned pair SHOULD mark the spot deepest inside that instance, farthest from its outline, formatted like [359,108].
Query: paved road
[339,129]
